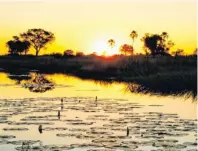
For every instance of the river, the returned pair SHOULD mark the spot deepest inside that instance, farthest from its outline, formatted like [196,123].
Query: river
[79,114]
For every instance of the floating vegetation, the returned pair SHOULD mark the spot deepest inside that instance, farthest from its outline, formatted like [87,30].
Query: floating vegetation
[2,142]
[87,136]
[98,128]
[102,133]
[26,142]
[120,146]
[54,129]
[194,144]
[156,105]
[77,130]
[45,147]
[118,137]
[168,145]
[5,137]
[79,123]
[15,129]
[68,135]
[30,123]
[100,149]
[111,125]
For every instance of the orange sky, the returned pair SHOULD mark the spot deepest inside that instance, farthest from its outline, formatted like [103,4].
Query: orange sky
[87,25]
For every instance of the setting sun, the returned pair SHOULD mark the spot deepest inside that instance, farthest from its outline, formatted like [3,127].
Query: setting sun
[102,48]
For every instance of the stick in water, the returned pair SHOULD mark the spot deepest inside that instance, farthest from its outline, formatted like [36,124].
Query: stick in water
[40,128]
[127,131]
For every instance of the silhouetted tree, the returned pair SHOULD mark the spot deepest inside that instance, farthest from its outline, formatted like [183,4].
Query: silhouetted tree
[69,52]
[126,49]
[93,54]
[178,52]
[157,44]
[11,46]
[111,43]
[196,51]
[146,50]
[56,55]
[26,46]
[17,46]
[38,38]
[133,35]
[80,54]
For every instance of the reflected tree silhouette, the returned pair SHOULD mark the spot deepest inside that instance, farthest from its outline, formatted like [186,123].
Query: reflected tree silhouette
[39,84]
[18,76]
[103,82]
[161,89]
[135,88]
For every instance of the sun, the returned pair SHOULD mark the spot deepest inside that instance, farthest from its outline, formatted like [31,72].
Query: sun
[101,47]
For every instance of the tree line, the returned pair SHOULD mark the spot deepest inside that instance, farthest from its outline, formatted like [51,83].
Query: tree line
[153,44]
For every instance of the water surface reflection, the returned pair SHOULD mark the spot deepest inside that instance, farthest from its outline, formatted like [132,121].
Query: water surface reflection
[91,114]
[39,83]
[36,82]
[69,86]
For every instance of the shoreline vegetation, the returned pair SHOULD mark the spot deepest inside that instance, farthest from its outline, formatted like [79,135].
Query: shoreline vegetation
[155,74]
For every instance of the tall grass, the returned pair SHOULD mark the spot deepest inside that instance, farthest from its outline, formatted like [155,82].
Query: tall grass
[116,66]
[163,74]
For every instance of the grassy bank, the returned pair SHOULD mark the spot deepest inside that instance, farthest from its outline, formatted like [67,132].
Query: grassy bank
[156,74]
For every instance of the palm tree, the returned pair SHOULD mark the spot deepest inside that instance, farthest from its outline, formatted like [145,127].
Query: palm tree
[111,43]
[133,35]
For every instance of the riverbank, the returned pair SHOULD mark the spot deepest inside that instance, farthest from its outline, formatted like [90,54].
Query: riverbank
[159,74]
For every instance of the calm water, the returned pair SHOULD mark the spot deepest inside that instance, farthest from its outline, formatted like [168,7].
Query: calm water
[71,118]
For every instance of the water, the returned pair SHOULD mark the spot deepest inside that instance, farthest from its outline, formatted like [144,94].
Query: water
[73,119]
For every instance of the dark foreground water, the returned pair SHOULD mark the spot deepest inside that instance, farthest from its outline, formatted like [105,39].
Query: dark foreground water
[62,113]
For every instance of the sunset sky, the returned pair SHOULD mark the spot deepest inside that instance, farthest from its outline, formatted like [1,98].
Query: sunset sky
[83,25]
